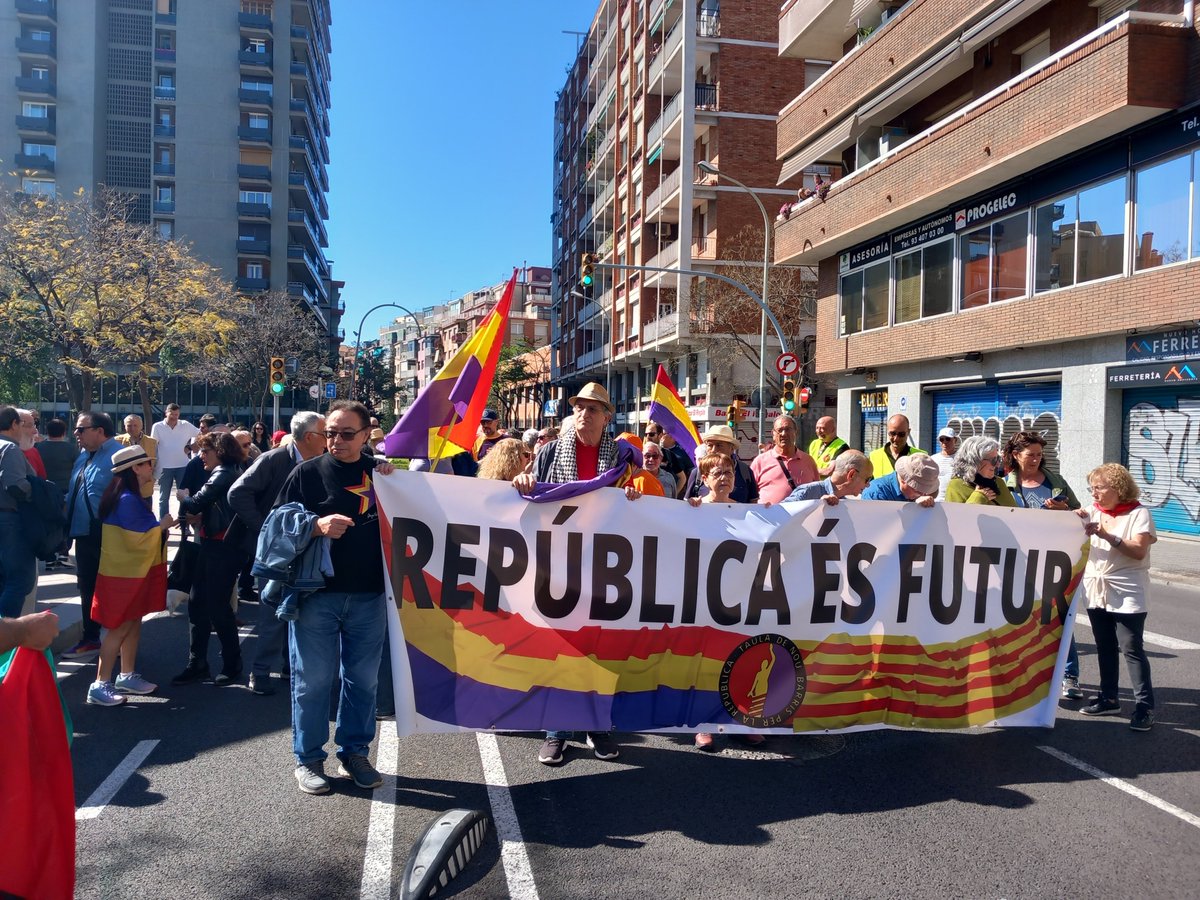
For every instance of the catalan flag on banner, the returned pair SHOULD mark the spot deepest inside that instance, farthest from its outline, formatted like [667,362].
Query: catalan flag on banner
[445,417]
[668,411]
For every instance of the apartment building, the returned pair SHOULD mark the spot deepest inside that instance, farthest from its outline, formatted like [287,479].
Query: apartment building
[658,88]
[420,342]
[1016,241]
[213,116]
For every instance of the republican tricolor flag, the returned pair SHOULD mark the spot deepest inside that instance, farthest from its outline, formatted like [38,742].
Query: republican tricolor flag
[444,419]
[667,409]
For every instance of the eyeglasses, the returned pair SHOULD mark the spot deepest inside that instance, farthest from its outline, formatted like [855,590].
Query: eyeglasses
[80,429]
[994,460]
[346,434]
[651,456]
[721,473]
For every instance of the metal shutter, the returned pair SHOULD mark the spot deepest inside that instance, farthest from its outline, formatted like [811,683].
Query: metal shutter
[1000,411]
[1161,447]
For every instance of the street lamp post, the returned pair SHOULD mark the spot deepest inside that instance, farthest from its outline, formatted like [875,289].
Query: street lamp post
[705,166]
[358,336]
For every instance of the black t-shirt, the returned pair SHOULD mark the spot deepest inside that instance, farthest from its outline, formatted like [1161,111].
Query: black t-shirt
[676,461]
[325,486]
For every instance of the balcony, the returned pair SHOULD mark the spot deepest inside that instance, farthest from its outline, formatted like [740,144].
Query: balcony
[706,96]
[254,58]
[35,47]
[164,207]
[164,169]
[663,67]
[161,18]
[254,21]
[299,32]
[38,87]
[667,257]
[1080,95]
[665,196]
[41,162]
[37,9]
[664,124]
[254,135]
[164,131]
[299,69]
[164,92]
[256,97]
[35,125]
[252,284]
[708,24]
[253,210]
[253,247]
[816,29]
[254,173]
[164,54]
[662,327]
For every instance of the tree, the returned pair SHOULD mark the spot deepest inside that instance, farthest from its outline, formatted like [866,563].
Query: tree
[374,382]
[77,277]
[730,320]
[259,327]
[514,369]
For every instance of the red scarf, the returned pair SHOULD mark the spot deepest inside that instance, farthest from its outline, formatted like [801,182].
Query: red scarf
[1120,509]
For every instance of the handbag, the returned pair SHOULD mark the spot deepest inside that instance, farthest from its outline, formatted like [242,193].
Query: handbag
[181,573]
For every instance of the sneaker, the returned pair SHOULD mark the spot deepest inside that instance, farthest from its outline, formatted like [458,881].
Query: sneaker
[133,683]
[603,745]
[101,693]
[50,565]
[261,685]
[551,753]
[228,675]
[64,560]
[359,768]
[311,778]
[82,649]
[1143,720]
[1102,707]
[194,672]
[1070,689]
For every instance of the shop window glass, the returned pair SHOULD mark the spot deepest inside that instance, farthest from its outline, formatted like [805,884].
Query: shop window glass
[993,260]
[1054,244]
[1161,213]
[908,287]
[974,254]
[938,281]
[875,296]
[852,302]
[1101,232]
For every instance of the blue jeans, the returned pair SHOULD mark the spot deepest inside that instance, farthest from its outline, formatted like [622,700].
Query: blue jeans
[336,633]
[18,568]
[167,479]
[1071,669]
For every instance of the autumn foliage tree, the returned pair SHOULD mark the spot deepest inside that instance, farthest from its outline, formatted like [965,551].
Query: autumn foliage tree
[86,287]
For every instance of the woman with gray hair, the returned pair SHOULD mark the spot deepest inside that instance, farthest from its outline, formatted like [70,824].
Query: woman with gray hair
[975,474]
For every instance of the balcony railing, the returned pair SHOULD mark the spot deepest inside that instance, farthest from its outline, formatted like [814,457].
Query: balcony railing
[245,283]
[164,131]
[37,124]
[164,206]
[36,47]
[706,96]
[255,21]
[164,92]
[254,247]
[164,168]
[663,326]
[164,54]
[669,185]
[254,210]
[252,95]
[43,9]
[257,173]
[603,198]
[259,135]
[669,46]
[41,86]
[39,161]
[254,58]
[708,24]
[662,123]
[667,257]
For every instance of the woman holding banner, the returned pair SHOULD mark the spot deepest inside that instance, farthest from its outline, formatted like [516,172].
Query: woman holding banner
[1116,580]
[975,474]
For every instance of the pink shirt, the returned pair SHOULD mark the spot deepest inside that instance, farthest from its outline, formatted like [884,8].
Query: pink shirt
[773,485]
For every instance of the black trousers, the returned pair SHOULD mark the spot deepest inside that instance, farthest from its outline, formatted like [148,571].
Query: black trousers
[209,609]
[87,567]
[1118,633]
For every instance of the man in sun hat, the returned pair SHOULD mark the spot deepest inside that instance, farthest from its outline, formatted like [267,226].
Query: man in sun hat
[721,439]
[915,478]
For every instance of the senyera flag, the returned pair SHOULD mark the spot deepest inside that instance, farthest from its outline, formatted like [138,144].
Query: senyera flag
[667,409]
[444,419]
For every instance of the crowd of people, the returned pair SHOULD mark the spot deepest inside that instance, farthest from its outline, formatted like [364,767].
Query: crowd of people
[307,493]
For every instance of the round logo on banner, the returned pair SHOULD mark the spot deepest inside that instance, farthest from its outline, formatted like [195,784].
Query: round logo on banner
[763,681]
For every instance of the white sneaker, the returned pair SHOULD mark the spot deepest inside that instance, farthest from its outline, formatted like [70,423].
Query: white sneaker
[101,693]
[1070,689]
[133,683]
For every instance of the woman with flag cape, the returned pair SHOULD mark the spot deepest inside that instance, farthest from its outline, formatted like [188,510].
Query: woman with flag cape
[132,581]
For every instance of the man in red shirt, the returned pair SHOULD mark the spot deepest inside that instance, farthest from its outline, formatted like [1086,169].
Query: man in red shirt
[784,467]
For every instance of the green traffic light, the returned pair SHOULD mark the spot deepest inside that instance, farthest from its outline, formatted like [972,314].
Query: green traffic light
[587,280]
[277,388]
[789,405]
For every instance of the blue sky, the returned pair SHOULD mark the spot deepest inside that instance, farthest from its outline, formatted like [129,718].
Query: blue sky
[440,145]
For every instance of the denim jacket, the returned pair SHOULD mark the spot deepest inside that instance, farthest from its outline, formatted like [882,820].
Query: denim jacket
[292,562]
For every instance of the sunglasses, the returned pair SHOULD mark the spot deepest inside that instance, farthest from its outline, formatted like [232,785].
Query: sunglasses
[80,429]
[347,434]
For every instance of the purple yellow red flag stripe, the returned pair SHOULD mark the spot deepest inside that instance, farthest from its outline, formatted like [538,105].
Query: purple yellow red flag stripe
[667,409]
[443,420]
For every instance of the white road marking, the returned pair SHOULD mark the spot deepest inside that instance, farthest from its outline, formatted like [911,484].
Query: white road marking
[1122,785]
[377,861]
[517,870]
[1151,637]
[103,795]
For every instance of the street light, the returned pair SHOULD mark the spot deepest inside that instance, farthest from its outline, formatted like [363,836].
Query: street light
[358,336]
[608,340]
[705,166]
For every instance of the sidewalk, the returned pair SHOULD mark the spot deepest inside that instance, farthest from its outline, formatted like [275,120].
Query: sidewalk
[1176,561]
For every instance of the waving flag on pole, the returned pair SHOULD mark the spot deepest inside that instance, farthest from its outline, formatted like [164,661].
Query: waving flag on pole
[668,411]
[445,417]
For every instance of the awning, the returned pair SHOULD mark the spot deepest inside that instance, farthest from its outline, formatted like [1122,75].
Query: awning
[860,9]
[829,141]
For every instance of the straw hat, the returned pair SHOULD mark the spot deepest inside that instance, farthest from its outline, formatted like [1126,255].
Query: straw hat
[127,458]
[720,433]
[919,472]
[593,391]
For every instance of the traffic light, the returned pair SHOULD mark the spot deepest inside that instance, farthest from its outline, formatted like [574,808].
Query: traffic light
[277,376]
[735,413]
[587,269]
[788,400]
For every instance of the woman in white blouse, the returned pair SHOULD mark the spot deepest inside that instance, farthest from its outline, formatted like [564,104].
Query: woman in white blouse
[1116,580]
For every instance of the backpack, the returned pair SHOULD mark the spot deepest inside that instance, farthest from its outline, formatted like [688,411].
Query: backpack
[44,518]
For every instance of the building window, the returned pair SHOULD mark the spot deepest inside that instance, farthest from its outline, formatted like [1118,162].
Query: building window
[864,295]
[1161,213]
[255,197]
[992,261]
[165,80]
[925,282]
[40,73]
[258,120]
[263,85]
[257,7]
[47,150]
[1080,236]
[256,45]
[164,193]
[164,40]
[35,110]
[42,186]
[254,270]
[39,34]
[164,228]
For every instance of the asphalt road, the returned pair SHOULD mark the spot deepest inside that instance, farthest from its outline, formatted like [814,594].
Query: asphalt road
[212,809]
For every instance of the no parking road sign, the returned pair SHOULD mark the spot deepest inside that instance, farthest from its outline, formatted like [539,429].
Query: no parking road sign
[787,364]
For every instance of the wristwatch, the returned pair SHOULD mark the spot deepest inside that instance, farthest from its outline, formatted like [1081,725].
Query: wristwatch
[1117,541]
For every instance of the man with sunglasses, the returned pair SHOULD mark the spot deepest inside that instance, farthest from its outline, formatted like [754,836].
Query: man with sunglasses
[883,459]
[342,626]
[95,434]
